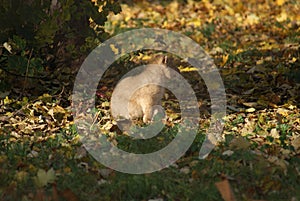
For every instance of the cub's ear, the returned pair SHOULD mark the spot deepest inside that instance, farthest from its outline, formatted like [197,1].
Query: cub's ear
[162,60]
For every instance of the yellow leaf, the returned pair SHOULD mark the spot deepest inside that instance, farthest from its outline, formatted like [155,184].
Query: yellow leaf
[224,59]
[107,126]
[250,110]
[43,177]
[127,18]
[140,56]
[282,17]
[165,24]
[291,107]
[261,61]
[146,57]
[194,22]
[229,10]
[51,113]
[188,69]
[239,51]
[7,100]
[280,2]
[59,109]
[9,114]
[252,19]
[174,7]
[114,49]
[238,17]
[293,60]
[283,112]
[105,104]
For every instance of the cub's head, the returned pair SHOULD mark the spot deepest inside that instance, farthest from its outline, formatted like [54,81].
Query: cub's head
[162,60]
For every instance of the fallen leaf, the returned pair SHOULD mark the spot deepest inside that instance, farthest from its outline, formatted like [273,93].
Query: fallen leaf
[250,110]
[227,153]
[274,133]
[282,17]
[296,143]
[252,19]
[280,2]
[43,177]
[114,49]
[225,190]
[8,47]
[185,170]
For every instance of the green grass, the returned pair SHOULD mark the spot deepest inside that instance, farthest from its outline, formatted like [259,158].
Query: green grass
[251,175]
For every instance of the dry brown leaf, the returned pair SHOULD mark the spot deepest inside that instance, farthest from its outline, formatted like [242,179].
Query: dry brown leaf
[225,190]
[296,143]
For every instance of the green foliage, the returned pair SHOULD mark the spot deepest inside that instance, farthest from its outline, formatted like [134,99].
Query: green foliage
[208,30]
[147,146]
[20,59]
[40,33]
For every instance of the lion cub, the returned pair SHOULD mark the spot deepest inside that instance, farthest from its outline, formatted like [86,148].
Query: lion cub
[139,94]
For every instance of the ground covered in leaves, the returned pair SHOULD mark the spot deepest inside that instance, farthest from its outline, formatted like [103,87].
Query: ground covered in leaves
[255,45]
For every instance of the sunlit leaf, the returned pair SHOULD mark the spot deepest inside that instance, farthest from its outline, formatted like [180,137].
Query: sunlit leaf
[43,177]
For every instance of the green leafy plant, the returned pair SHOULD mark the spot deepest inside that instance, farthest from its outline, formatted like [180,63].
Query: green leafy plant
[38,34]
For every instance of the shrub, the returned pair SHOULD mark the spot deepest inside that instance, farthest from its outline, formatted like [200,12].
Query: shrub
[36,34]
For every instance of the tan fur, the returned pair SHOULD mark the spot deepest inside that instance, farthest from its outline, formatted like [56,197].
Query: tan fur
[141,102]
